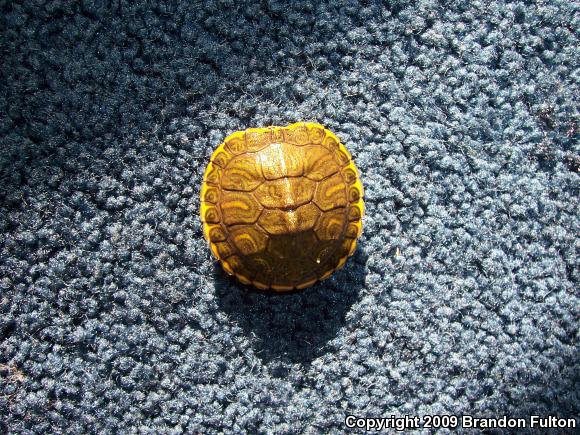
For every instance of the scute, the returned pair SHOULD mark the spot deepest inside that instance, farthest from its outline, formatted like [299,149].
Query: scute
[223,250]
[281,160]
[316,133]
[276,221]
[331,224]
[215,233]
[318,162]
[221,158]
[285,193]
[210,215]
[331,193]
[243,173]
[213,174]
[258,138]
[282,207]
[236,143]
[297,135]
[239,208]
[248,239]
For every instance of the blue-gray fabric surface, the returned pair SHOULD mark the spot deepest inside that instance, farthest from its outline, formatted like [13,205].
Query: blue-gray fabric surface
[462,297]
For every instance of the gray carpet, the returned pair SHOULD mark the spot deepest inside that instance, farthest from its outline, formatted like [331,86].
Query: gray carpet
[462,297]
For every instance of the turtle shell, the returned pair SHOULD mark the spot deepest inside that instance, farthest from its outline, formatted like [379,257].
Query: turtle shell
[282,207]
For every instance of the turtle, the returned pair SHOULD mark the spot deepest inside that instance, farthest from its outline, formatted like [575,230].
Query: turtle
[282,207]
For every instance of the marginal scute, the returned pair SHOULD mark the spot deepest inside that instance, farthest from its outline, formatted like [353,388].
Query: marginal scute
[239,208]
[243,173]
[352,248]
[349,175]
[248,239]
[316,133]
[353,194]
[330,193]
[210,194]
[282,207]
[327,259]
[262,266]
[285,193]
[297,134]
[342,158]
[217,234]
[343,149]
[338,257]
[211,215]
[353,231]
[234,265]
[277,134]
[355,213]
[221,158]
[236,143]
[212,174]
[331,143]
[224,249]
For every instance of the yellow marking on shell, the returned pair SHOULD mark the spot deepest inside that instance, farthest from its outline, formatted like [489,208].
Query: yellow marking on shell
[352,248]
[230,264]
[209,214]
[243,279]
[342,157]
[330,226]
[326,274]
[260,285]
[287,187]
[350,175]
[330,193]
[344,151]
[316,132]
[248,239]
[235,143]
[222,250]
[258,138]
[353,230]
[243,173]
[277,134]
[209,194]
[306,284]
[353,194]
[357,183]
[221,157]
[331,142]
[214,233]
[275,194]
[262,268]
[239,208]
[282,288]
[319,163]
[296,134]
[276,221]
[281,160]
[212,174]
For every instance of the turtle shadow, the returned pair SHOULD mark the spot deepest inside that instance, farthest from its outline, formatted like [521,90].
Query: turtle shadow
[293,327]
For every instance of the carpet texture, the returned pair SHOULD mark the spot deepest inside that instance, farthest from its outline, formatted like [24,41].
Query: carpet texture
[462,297]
